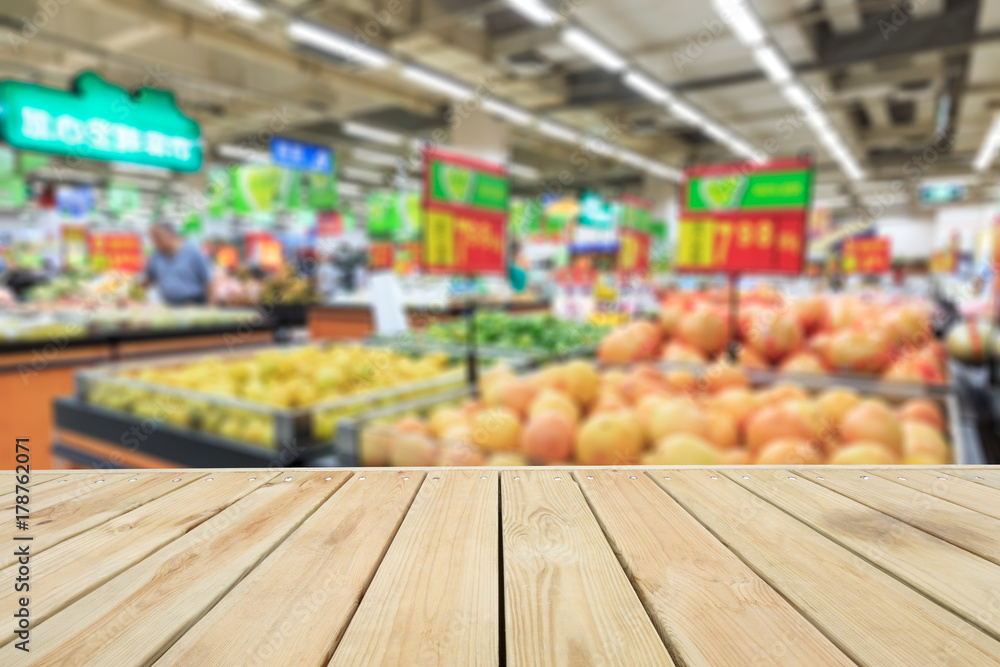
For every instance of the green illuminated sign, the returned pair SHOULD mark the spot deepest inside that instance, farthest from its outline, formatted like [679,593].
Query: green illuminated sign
[764,191]
[457,184]
[100,121]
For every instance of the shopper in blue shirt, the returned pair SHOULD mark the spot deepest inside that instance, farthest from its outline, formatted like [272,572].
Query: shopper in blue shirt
[179,270]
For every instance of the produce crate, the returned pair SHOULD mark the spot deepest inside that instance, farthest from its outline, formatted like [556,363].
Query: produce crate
[239,420]
[966,449]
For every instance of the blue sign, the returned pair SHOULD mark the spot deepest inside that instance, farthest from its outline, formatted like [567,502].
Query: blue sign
[75,201]
[301,156]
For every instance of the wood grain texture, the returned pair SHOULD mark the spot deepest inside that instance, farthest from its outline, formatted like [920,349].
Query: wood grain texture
[294,607]
[80,564]
[971,588]
[135,617]
[873,617]
[94,504]
[8,483]
[439,575]
[947,487]
[953,523]
[66,487]
[567,600]
[707,604]
[985,476]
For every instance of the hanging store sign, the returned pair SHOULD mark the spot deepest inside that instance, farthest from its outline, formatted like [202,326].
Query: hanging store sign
[868,255]
[300,156]
[100,121]
[465,224]
[745,218]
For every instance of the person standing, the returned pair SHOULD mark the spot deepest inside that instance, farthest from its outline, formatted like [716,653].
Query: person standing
[178,269]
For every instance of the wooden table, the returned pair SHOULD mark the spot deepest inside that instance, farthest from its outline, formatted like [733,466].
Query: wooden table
[540,566]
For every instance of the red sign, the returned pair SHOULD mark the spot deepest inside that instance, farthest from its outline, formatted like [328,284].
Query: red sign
[633,251]
[867,255]
[465,229]
[115,251]
[750,218]
[381,255]
[265,251]
[329,223]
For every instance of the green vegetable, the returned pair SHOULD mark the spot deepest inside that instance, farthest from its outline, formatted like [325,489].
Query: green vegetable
[545,335]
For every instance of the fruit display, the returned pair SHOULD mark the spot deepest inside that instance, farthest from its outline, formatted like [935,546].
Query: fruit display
[36,323]
[545,336]
[819,334]
[573,413]
[302,392]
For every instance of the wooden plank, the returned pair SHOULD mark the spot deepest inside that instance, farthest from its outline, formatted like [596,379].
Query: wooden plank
[947,487]
[871,616]
[566,599]
[950,575]
[985,476]
[55,523]
[707,604]
[67,487]
[80,564]
[962,527]
[321,572]
[435,598]
[8,483]
[136,616]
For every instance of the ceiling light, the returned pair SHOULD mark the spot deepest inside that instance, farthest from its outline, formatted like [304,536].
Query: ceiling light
[244,9]
[436,82]
[557,131]
[717,133]
[773,64]
[524,171]
[646,87]
[988,150]
[798,96]
[686,112]
[375,157]
[741,19]
[365,175]
[336,44]
[507,111]
[372,133]
[535,11]
[593,49]
[242,154]
[663,171]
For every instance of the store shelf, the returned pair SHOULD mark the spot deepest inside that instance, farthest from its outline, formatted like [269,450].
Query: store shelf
[543,566]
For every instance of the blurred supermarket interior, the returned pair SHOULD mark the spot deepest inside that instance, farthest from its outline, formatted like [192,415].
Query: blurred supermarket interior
[240,233]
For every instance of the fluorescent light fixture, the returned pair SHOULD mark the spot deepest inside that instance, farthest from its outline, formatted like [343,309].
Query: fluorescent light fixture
[798,96]
[524,171]
[507,111]
[375,157]
[773,64]
[140,169]
[988,150]
[366,175]
[535,11]
[741,19]
[633,159]
[375,134]
[346,189]
[663,171]
[242,154]
[599,146]
[336,44]
[436,82]
[717,133]
[593,49]
[647,87]
[244,9]
[557,131]
[686,112]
